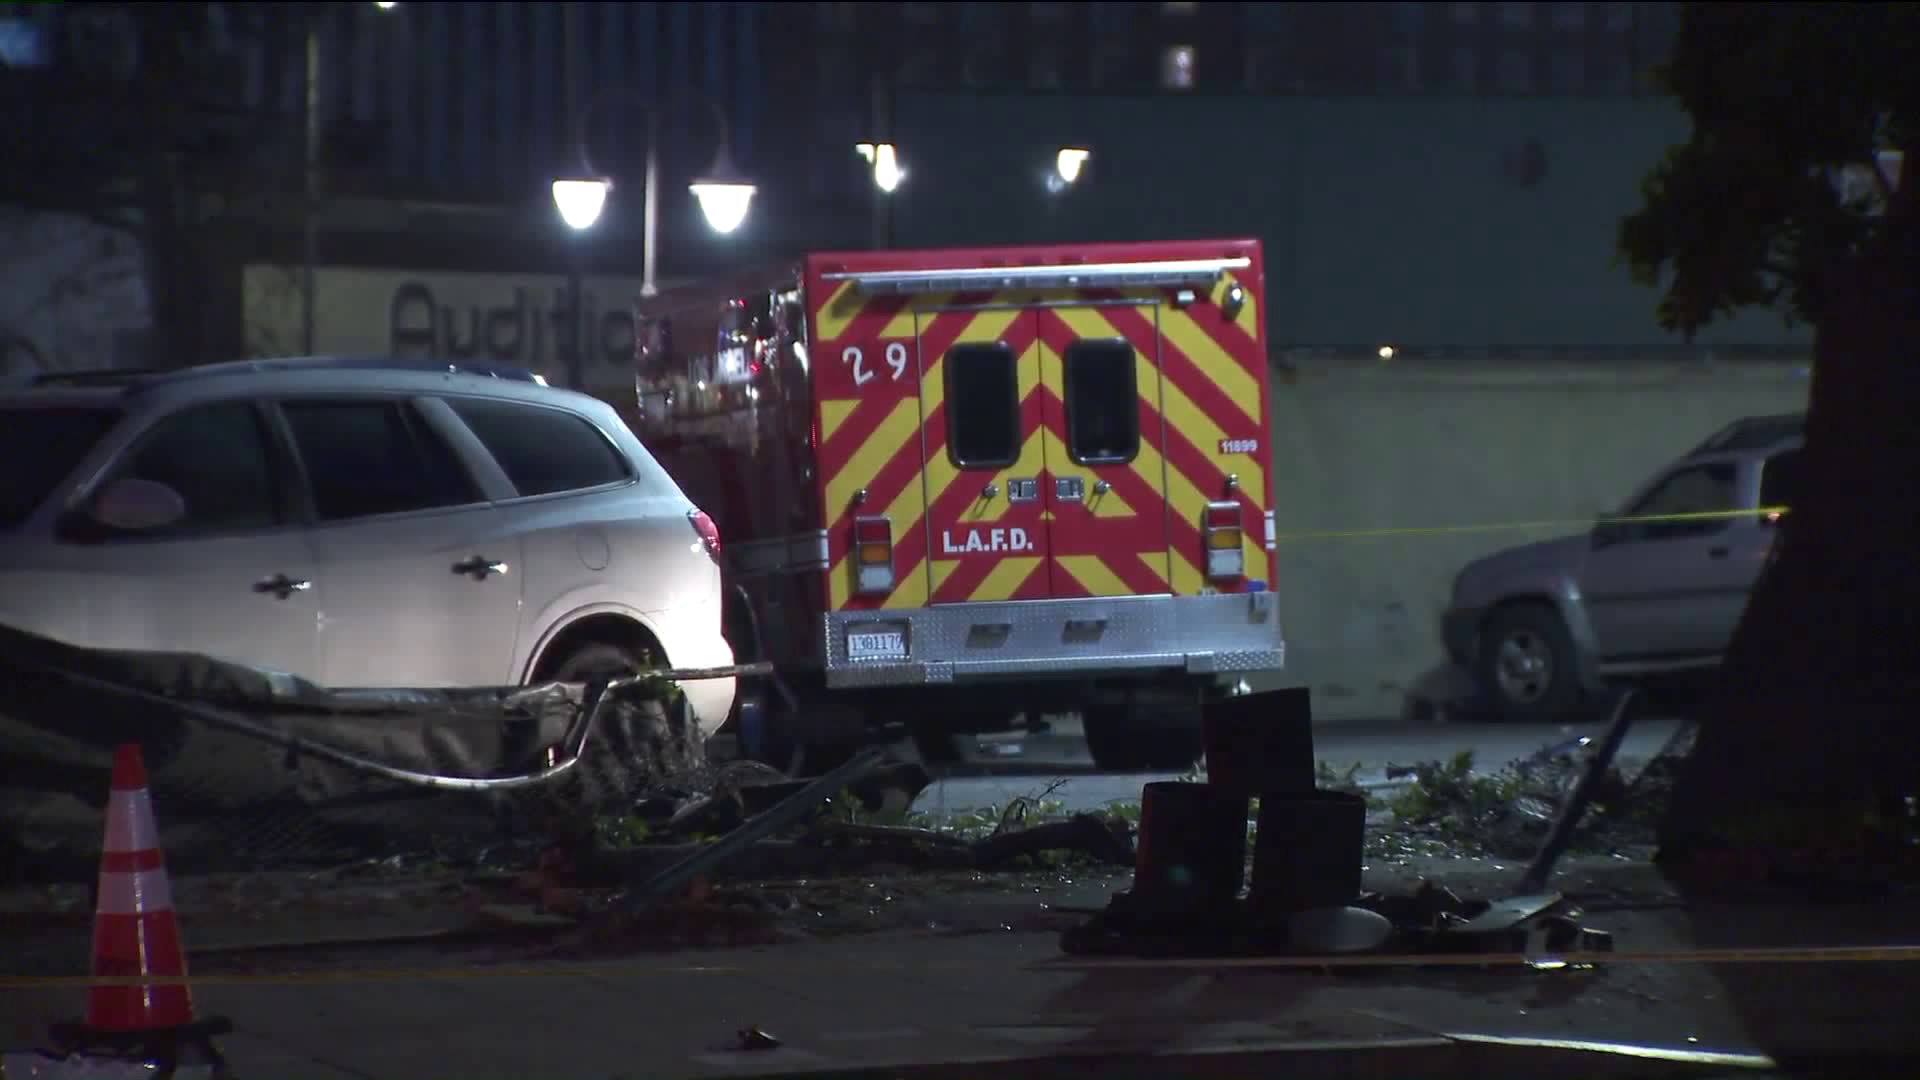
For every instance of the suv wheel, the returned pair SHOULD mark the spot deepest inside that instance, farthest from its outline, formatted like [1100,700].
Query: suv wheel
[635,745]
[1526,664]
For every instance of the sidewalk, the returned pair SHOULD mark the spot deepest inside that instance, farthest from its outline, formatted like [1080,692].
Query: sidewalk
[898,999]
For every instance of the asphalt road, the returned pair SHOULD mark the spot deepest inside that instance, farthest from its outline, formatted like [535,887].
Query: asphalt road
[1005,769]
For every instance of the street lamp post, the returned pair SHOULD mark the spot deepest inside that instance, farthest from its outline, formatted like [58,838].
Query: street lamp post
[310,186]
[310,175]
[724,194]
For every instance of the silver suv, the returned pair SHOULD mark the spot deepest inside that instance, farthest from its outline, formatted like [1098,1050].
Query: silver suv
[359,523]
[1656,589]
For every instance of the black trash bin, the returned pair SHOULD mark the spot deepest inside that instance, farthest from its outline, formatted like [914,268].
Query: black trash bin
[1260,744]
[1307,851]
[1192,849]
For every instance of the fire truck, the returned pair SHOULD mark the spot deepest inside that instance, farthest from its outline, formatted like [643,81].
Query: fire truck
[964,488]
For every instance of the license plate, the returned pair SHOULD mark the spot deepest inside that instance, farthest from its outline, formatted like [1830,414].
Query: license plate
[876,645]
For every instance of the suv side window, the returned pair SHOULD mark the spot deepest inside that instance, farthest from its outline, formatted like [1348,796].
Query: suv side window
[542,450]
[371,457]
[1780,479]
[1697,489]
[218,458]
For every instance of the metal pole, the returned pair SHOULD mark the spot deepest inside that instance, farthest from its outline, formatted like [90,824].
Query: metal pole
[309,226]
[577,296]
[650,215]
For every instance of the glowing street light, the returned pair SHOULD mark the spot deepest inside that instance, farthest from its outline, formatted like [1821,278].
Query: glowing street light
[1069,161]
[724,194]
[580,200]
[885,160]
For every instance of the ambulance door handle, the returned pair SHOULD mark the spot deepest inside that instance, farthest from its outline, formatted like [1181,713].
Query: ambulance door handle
[1101,487]
[992,489]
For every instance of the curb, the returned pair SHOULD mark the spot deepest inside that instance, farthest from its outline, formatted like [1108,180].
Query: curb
[1483,1056]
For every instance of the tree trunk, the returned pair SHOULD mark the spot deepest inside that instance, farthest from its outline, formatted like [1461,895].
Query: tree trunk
[1816,721]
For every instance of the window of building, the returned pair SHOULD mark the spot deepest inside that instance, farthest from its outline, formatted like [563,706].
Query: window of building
[1464,13]
[1569,16]
[1515,72]
[983,405]
[1175,7]
[1103,408]
[1619,16]
[918,68]
[1409,17]
[1403,67]
[364,458]
[1569,71]
[1043,71]
[542,450]
[1512,14]
[1176,68]
[1466,69]
[1609,73]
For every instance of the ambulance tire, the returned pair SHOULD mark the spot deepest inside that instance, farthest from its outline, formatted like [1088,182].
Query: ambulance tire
[1125,738]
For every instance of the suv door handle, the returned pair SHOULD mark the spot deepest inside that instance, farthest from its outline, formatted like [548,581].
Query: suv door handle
[281,586]
[1718,552]
[479,567]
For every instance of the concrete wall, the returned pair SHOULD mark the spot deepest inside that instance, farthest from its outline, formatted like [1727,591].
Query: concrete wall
[1449,462]
[73,295]
[1413,222]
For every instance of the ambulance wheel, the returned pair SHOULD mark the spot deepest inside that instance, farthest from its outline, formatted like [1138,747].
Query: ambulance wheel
[1128,738]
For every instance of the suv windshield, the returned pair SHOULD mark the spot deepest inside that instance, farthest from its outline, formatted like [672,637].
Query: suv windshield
[40,447]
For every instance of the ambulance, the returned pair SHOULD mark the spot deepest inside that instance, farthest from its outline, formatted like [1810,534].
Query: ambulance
[961,489]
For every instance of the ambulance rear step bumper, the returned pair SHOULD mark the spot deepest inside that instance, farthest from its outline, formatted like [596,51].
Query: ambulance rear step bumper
[1226,633]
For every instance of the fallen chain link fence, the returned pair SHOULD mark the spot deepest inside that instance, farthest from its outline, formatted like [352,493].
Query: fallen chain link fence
[251,769]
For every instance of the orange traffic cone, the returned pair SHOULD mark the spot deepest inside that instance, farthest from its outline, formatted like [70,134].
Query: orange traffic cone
[135,932]
[136,936]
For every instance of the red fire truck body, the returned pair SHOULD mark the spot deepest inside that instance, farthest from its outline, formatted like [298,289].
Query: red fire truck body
[958,485]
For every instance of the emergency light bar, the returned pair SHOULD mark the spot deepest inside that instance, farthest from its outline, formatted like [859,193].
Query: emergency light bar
[1075,276]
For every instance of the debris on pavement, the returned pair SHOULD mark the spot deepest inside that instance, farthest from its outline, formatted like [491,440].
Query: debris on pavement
[753,1038]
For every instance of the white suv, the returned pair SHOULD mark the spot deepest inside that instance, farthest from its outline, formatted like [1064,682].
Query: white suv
[359,523]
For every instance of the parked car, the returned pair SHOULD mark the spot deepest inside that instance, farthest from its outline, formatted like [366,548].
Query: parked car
[356,522]
[1655,589]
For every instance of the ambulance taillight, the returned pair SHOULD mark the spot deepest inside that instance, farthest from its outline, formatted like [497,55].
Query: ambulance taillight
[872,555]
[1220,528]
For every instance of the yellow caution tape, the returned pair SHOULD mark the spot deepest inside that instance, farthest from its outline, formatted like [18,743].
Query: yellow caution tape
[1771,513]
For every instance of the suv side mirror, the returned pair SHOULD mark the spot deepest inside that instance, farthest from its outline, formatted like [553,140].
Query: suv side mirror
[131,504]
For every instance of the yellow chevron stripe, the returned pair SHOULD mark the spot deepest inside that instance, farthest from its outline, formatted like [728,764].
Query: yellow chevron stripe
[984,509]
[941,473]
[1213,363]
[1200,430]
[901,424]
[1004,578]
[1108,504]
[1186,578]
[898,433]
[833,413]
[1185,497]
[832,318]
[1094,575]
